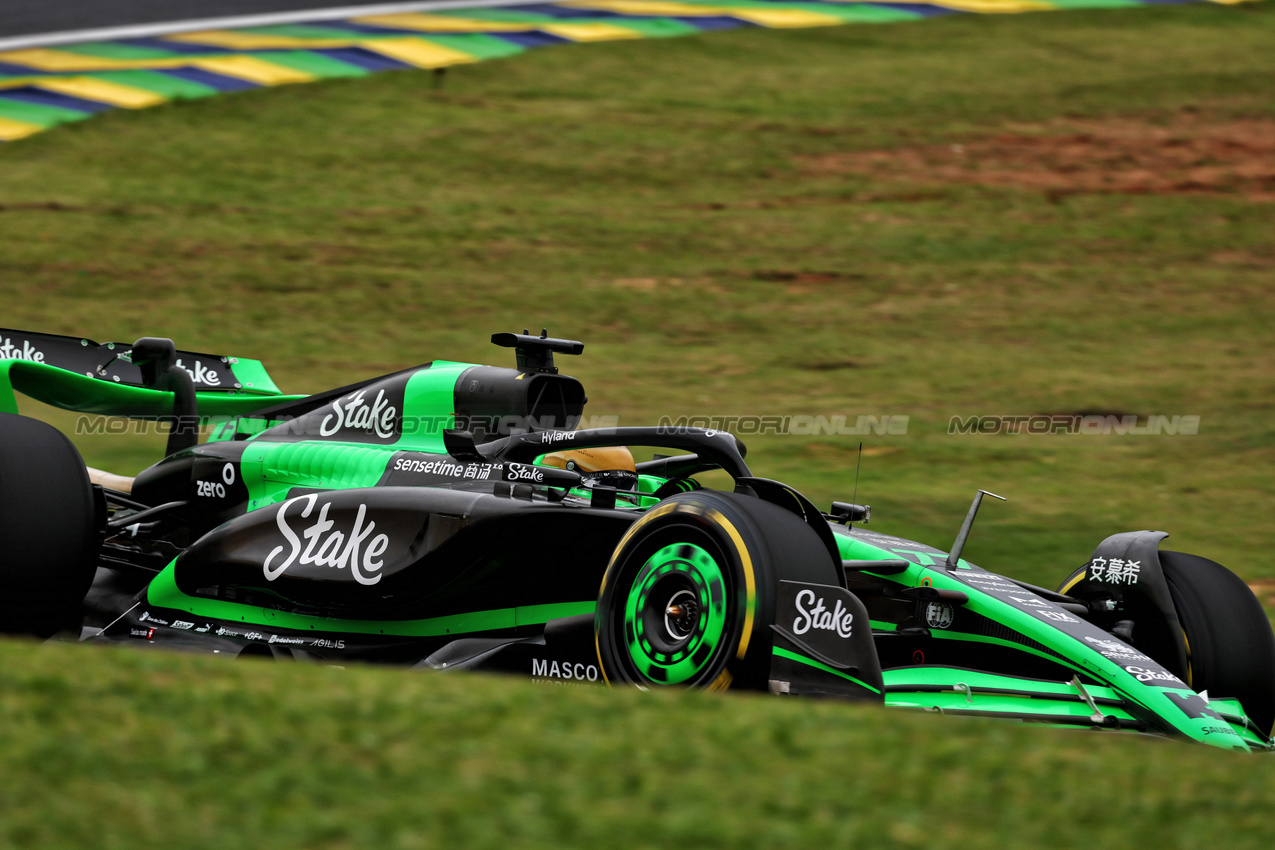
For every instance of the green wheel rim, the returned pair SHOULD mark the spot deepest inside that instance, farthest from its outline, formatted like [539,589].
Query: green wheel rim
[660,653]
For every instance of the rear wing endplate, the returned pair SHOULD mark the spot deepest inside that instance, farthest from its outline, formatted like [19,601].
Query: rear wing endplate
[90,377]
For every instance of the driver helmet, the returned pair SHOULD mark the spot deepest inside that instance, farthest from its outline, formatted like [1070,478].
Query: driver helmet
[608,466]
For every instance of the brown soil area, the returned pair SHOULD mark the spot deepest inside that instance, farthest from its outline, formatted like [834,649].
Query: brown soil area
[1191,154]
[1264,589]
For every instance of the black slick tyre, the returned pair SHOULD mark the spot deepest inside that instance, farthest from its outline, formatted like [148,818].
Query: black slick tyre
[1230,646]
[689,595]
[49,527]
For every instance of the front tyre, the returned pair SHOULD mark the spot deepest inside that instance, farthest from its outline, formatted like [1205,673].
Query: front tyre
[689,594]
[1230,646]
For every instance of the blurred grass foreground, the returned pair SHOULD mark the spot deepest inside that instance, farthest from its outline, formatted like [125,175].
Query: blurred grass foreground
[1057,215]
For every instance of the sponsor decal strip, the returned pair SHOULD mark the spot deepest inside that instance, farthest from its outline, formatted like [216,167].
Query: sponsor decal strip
[1008,643]
[817,616]
[801,659]
[164,593]
[544,668]
[942,678]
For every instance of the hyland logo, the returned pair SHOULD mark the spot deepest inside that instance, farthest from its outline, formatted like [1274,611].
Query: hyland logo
[201,374]
[354,413]
[328,548]
[25,351]
[837,620]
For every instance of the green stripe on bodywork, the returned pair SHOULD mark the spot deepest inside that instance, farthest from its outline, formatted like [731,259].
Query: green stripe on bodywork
[1006,643]
[252,374]
[270,470]
[801,659]
[429,395]
[1025,706]
[163,592]
[910,677]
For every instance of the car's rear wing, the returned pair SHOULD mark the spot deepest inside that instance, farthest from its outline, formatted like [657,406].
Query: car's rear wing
[102,378]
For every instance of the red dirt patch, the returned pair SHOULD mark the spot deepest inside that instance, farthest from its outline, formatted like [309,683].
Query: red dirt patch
[1190,155]
[1264,589]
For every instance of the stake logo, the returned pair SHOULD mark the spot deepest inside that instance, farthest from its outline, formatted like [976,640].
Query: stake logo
[200,373]
[326,547]
[837,620]
[23,350]
[1144,675]
[356,414]
[523,472]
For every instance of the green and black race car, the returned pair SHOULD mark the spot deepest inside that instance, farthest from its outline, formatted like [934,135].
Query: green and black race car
[451,516]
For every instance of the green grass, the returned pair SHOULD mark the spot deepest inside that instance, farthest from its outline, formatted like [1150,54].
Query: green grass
[654,199]
[147,750]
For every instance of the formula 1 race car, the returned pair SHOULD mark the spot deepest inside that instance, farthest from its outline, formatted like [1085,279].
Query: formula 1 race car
[451,516]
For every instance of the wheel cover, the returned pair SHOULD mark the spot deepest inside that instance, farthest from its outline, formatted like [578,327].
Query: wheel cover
[675,614]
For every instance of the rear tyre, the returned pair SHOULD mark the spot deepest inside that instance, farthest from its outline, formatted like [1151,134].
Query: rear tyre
[1230,646]
[689,595]
[49,527]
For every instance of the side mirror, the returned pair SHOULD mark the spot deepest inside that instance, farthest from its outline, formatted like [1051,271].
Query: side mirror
[155,357]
